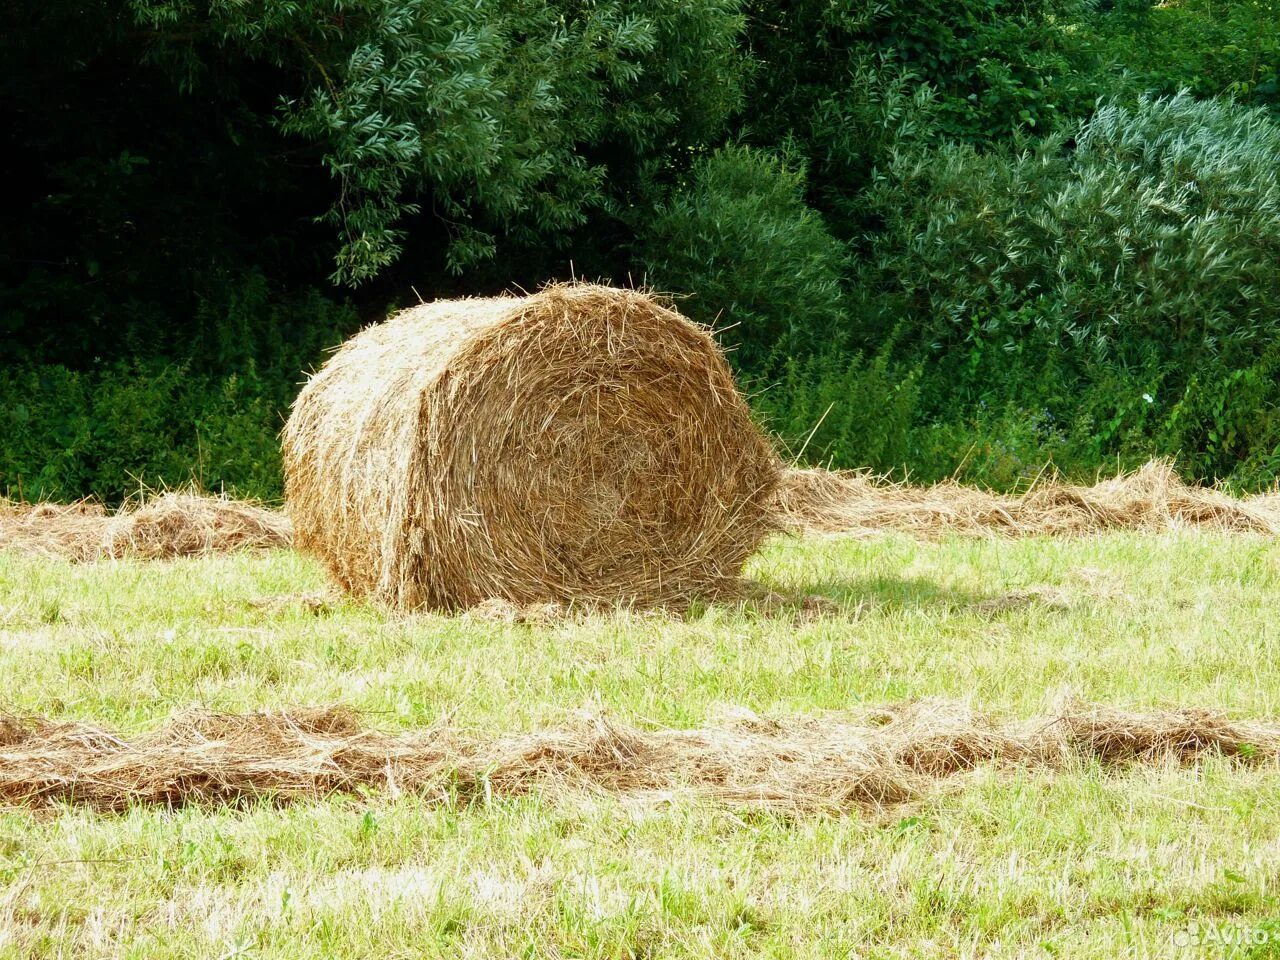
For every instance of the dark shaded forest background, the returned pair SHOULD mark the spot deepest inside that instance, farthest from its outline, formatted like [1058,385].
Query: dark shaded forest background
[942,237]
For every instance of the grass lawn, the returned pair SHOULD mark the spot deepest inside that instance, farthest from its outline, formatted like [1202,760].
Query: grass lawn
[1085,862]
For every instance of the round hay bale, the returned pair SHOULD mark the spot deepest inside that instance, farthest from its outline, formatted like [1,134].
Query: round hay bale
[582,444]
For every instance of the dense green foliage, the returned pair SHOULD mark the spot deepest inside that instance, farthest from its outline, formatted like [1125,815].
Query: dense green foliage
[1210,47]
[1158,234]
[741,241]
[114,427]
[1152,248]
[975,235]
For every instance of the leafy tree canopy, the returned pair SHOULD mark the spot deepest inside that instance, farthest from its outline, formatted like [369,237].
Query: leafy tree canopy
[498,115]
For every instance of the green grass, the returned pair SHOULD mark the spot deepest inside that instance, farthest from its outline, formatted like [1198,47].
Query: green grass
[1087,863]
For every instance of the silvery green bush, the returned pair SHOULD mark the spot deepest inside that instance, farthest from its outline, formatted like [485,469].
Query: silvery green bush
[1154,232]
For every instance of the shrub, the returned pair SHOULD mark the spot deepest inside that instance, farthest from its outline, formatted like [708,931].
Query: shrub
[1169,230]
[1159,233]
[740,239]
[994,66]
[1125,286]
[109,432]
[213,417]
[1212,47]
[843,411]
[854,125]
[1226,423]
[1002,449]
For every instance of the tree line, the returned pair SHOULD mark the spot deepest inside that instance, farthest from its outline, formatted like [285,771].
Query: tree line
[973,236]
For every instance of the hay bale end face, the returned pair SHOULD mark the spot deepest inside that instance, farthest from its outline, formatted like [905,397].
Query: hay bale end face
[580,444]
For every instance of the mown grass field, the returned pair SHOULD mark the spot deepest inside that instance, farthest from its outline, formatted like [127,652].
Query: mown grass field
[1085,862]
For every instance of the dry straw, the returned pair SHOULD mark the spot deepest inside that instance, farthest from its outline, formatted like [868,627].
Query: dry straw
[832,762]
[160,527]
[1151,499]
[582,444]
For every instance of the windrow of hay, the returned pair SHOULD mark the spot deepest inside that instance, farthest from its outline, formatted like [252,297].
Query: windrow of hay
[162,527]
[813,501]
[1152,498]
[582,444]
[819,763]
